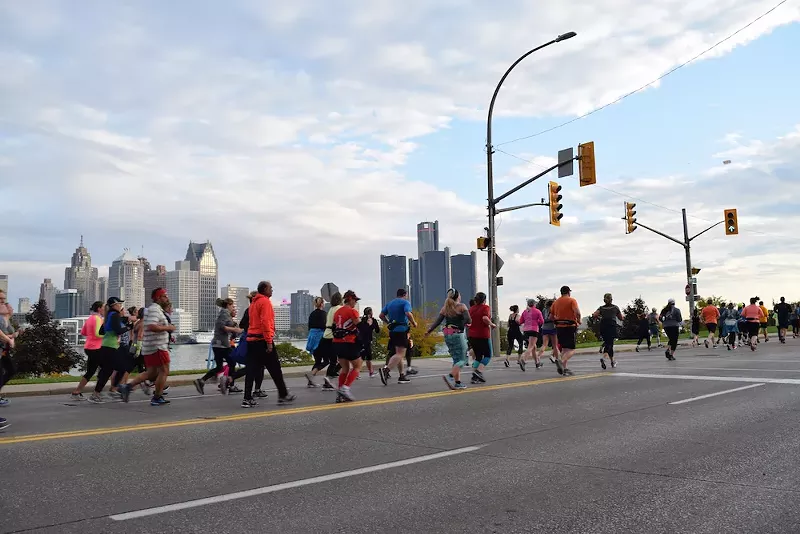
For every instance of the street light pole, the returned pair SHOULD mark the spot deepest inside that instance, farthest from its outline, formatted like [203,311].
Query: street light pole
[492,249]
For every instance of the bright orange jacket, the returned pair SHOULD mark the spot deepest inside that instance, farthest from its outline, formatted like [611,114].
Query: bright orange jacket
[262,319]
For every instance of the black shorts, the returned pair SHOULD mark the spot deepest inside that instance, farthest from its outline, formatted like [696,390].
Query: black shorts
[566,336]
[366,351]
[398,340]
[529,334]
[783,324]
[753,328]
[712,327]
[480,347]
[348,351]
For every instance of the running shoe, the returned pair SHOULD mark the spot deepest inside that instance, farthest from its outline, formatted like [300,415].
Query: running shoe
[450,381]
[327,385]
[94,398]
[460,385]
[166,390]
[4,423]
[559,367]
[411,371]
[115,395]
[372,374]
[553,360]
[346,393]
[539,365]
[507,363]
[521,364]
[568,372]
[260,394]
[478,375]
[384,372]
[403,380]
[310,379]
[249,403]
[146,389]
[234,389]
[200,386]
[77,397]
[158,401]
[613,364]
[289,398]
[706,343]
[666,353]
[603,363]
[3,401]
[637,348]
[125,392]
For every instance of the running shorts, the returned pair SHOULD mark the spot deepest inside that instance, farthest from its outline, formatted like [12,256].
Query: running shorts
[348,351]
[157,359]
[566,336]
[753,328]
[366,351]
[399,340]
[712,327]
[783,324]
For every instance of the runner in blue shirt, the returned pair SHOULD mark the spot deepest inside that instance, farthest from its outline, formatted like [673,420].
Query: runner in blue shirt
[397,314]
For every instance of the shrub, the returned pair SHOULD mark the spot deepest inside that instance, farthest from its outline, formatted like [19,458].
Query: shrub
[42,348]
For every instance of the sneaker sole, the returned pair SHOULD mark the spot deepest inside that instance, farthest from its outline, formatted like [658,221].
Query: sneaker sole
[450,386]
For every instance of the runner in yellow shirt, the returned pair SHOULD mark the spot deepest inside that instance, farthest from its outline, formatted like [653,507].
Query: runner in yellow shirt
[764,320]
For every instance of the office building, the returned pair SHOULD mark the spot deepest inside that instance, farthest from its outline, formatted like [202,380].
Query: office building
[71,327]
[153,278]
[81,276]
[126,280]
[393,277]
[464,274]
[183,321]
[302,304]
[4,283]
[427,237]
[47,293]
[183,288]
[203,260]
[68,303]
[24,305]
[238,294]
[435,271]
[283,317]
[415,283]
[102,289]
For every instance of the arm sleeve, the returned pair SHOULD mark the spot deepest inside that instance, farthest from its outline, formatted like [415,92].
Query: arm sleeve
[437,323]
[85,328]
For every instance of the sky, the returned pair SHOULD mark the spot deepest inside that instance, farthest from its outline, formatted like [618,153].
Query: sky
[304,139]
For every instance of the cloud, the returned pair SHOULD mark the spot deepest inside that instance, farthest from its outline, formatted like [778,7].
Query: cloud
[283,133]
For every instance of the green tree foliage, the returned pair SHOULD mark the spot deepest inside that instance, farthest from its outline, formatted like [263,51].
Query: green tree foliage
[288,353]
[713,299]
[423,345]
[632,313]
[586,336]
[42,348]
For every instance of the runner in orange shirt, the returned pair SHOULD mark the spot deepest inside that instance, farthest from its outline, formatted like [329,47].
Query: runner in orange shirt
[711,318]
[567,317]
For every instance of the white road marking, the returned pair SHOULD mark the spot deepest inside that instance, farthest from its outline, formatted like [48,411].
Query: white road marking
[701,397]
[287,485]
[741,369]
[792,381]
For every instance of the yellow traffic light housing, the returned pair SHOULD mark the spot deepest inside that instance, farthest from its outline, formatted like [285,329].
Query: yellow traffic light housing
[630,217]
[483,243]
[586,168]
[731,222]
[553,190]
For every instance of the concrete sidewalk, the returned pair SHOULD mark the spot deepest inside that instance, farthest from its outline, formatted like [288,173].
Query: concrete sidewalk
[424,364]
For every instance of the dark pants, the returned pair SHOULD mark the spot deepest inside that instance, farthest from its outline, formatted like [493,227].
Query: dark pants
[321,359]
[259,357]
[608,333]
[512,337]
[92,362]
[644,335]
[672,336]
[108,355]
[7,369]
[123,364]
[221,355]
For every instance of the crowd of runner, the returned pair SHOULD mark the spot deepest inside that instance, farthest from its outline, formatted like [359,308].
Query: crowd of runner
[119,340]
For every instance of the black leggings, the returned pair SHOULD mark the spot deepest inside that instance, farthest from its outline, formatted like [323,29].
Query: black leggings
[608,333]
[221,355]
[513,336]
[93,359]
[7,369]
[259,357]
[108,355]
[123,364]
[672,336]
[321,359]
[642,337]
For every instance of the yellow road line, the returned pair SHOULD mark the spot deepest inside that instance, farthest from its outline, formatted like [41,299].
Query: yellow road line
[279,412]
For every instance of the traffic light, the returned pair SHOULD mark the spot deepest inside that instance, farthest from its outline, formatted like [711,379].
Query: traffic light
[695,271]
[553,190]
[586,169]
[630,217]
[731,223]
[483,243]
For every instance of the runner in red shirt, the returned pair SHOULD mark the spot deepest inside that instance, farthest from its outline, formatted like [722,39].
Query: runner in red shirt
[479,332]
[345,339]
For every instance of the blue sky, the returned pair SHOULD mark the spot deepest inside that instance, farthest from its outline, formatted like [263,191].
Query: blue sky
[305,141]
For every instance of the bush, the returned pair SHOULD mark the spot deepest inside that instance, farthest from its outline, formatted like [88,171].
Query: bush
[289,354]
[586,336]
[42,348]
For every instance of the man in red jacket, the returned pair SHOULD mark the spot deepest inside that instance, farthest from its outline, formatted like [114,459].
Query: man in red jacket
[261,350]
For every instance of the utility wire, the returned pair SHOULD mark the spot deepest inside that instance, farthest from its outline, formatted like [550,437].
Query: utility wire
[645,86]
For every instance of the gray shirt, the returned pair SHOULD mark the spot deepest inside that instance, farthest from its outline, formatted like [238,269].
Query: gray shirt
[672,317]
[222,338]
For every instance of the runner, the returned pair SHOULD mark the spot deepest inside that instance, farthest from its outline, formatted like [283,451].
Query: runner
[696,328]
[672,319]
[155,348]
[532,321]
[710,315]
[114,325]
[455,316]
[796,322]
[397,314]
[753,314]
[730,325]
[367,329]
[91,333]
[764,320]
[479,333]
[224,328]
[784,312]
[608,314]
[261,351]
[326,344]
[348,349]
[655,330]
[567,317]
[316,329]
[124,362]
[644,331]
[514,334]
[7,341]
[549,336]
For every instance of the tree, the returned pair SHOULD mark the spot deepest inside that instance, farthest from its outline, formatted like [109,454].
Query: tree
[713,299]
[289,354]
[42,348]
[630,324]
[424,346]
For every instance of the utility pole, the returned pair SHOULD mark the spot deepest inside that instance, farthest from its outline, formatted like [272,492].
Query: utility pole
[687,245]
[492,202]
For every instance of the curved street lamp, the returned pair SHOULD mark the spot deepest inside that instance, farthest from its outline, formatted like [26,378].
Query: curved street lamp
[492,250]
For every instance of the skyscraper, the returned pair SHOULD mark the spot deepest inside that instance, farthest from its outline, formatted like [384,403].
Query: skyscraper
[47,293]
[203,260]
[464,274]
[24,305]
[68,303]
[435,270]
[80,275]
[302,304]
[427,237]
[415,283]
[153,278]
[393,277]
[102,289]
[4,283]
[283,315]
[183,288]
[239,295]
[126,280]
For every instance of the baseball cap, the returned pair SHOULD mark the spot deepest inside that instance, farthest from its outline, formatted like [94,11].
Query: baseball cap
[113,300]
[350,294]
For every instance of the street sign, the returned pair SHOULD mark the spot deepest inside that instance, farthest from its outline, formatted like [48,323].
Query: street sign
[499,280]
[567,157]
[694,280]
[498,262]
[688,290]
[328,290]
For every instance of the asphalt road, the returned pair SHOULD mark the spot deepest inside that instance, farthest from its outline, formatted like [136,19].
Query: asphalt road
[627,450]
